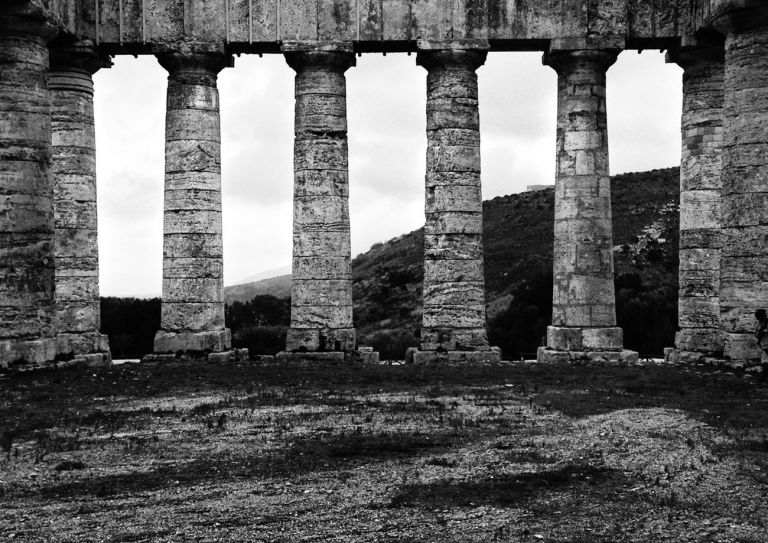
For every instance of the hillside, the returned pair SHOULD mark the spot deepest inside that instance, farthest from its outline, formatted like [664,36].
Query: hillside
[518,262]
[279,287]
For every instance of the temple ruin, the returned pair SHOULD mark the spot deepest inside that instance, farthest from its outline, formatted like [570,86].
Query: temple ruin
[49,50]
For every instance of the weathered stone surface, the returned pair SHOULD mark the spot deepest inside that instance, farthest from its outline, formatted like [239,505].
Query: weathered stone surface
[207,341]
[321,293]
[27,307]
[584,339]
[586,357]
[583,309]
[259,25]
[74,205]
[192,315]
[744,175]
[454,297]
[454,339]
[457,358]
[320,339]
[321,267]
[700,186]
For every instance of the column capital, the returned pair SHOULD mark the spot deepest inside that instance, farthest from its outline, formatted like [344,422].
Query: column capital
[73,65]
[697,53]
[431,59]
[21,19]
[181,60]
[565,60]
[301,57]
[740,15]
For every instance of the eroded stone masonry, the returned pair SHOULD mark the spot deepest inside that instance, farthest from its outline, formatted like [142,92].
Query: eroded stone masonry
[49,50]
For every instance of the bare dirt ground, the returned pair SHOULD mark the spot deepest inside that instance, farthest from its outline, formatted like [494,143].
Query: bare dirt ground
[257,452]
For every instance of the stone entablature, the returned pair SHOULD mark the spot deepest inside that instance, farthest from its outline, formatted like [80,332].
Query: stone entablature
[377,25]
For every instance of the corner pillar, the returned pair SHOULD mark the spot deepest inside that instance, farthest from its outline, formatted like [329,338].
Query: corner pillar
[74,178]
[454,322]
[583,300]
[698,335]
[27,334]
[192,314]
[744,265]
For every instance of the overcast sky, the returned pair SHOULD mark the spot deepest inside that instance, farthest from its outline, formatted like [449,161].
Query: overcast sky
[387,144]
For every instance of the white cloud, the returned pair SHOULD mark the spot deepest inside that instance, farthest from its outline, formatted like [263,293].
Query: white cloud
[386,108]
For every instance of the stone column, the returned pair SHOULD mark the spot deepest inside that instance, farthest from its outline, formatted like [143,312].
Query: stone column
[26,193]
[192,318]
[321,295]
[744,265]
[700,184]
[453,325]
[583,305]
[74,176]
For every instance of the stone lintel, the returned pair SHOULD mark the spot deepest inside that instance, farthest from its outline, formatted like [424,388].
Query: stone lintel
[292,46]
[453,358]
[467,44]
[192,342]
[602,43]
[623,357]
[358,357]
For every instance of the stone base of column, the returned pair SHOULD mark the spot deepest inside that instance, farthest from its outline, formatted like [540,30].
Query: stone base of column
[74,344]
[193,344]
[320,340]
[362,356]
[699,340]
[24,355]
[453,358]
[582,357]
[230,355]
[676,356]
[741,348]
[561,338]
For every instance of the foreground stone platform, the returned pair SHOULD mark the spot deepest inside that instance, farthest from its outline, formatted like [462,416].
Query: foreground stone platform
[622,357]
[453,358]
[360,356]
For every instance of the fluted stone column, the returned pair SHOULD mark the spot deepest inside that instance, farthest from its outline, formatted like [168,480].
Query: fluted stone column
[26,193]
[74,175]
[453,325]
[192,318]
[700,185]
[744,265]
[583,305]
[321,295]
